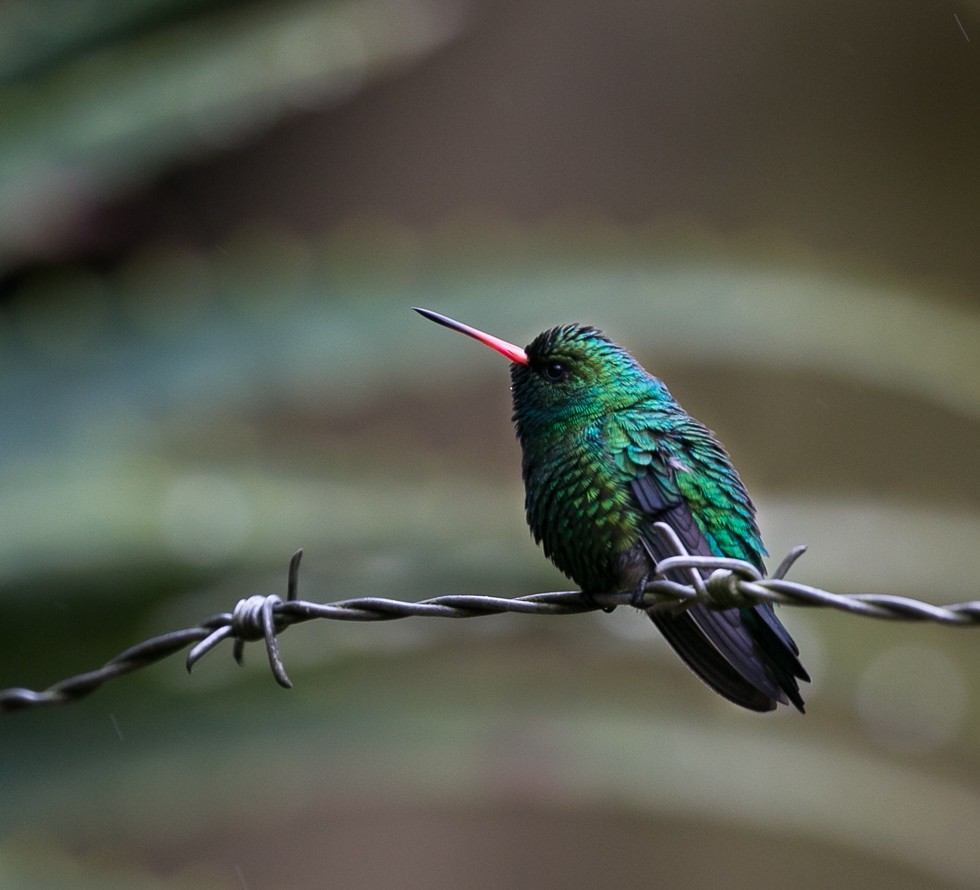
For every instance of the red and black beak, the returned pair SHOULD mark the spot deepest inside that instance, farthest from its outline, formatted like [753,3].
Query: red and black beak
[514,353]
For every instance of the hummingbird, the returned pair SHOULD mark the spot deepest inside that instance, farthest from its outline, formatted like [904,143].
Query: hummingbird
[607,453]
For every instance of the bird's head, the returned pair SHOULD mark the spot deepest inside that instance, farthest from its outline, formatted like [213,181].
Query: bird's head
[569,374]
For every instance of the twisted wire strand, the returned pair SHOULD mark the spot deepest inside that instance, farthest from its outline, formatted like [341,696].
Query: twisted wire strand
[719,582]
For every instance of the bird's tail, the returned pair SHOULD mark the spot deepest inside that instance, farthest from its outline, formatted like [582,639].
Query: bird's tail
[746,655]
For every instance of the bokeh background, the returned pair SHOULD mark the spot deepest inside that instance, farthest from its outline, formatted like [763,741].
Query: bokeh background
[214,217]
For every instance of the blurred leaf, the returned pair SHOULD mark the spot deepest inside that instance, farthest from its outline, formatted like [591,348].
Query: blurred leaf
[79,130]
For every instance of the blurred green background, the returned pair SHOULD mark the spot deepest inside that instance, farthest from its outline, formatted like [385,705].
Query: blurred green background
[214,218]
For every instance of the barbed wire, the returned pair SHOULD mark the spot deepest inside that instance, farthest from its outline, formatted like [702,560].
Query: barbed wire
[719,582]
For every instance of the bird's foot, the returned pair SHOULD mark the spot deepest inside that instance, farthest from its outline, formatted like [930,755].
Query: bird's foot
[638,600]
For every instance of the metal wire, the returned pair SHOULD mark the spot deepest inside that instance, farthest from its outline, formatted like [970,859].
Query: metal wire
[719,582]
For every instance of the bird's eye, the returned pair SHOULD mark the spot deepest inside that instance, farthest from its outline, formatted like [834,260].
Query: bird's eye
[555,371]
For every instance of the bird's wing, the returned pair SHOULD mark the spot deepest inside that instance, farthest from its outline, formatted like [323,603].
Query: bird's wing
[746,655]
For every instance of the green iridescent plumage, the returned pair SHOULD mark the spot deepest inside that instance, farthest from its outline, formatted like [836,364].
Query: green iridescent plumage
[586,437]
[607,453]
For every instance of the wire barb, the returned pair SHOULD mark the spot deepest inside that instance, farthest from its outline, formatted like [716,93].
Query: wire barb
[720,582]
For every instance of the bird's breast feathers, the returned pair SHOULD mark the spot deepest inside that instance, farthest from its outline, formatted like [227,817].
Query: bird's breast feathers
[592,496]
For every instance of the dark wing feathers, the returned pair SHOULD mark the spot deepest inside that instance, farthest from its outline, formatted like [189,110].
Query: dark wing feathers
[651,497]
[746,655]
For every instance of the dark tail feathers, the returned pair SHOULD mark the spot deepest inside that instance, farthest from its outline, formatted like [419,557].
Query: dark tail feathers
[746,655]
